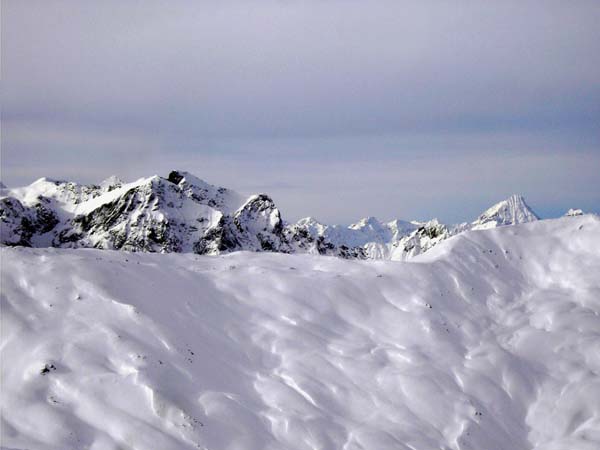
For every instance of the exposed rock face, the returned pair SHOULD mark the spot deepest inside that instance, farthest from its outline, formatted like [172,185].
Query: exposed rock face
[310,236]
[19,223]
[16,222]
[259,225]
[219,198]
[219,239]
[422,239]
[182,213]
[153,216]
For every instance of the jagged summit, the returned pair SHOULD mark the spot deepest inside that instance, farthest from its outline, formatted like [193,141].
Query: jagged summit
[511,211]
[183,213]
[218,197]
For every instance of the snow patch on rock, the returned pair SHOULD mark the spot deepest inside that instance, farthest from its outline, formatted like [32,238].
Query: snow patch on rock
[574,212]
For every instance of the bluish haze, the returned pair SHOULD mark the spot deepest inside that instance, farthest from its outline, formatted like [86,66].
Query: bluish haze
[338,109]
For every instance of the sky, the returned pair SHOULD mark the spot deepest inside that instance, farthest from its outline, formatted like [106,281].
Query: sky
[337,109]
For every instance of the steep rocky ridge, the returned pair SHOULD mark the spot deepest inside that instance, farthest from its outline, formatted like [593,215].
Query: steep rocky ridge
[182,213]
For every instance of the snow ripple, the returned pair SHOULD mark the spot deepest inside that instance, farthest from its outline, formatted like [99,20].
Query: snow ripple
[491,340]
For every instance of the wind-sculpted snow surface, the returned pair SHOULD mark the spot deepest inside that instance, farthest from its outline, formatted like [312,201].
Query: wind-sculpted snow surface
[489,341]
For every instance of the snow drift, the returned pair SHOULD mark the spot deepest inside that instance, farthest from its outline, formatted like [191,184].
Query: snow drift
[491,340]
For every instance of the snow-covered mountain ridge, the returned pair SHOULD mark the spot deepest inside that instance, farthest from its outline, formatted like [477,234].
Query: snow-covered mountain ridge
[182,213]
[488,341]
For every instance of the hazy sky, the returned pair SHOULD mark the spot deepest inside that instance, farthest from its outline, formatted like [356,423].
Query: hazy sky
[337,109]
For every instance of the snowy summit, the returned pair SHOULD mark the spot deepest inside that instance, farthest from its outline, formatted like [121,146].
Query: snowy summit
[511,211]
[183,214]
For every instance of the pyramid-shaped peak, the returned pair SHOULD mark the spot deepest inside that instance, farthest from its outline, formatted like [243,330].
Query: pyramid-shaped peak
[512,211]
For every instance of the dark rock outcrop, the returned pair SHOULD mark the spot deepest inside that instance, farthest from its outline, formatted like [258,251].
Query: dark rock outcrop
[182,213]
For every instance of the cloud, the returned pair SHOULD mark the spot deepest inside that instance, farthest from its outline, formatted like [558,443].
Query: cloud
[302,68]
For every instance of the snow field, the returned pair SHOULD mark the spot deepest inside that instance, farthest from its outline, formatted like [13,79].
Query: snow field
[491,340]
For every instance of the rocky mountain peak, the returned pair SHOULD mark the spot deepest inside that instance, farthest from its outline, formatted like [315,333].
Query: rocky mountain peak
[259,224]
[513,210]
[183,213]
[202,192]
[259,211]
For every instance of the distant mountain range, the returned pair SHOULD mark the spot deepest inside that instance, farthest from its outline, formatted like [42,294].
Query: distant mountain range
[182,213]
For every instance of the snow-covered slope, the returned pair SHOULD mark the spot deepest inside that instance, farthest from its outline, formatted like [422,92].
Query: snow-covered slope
[488,341]
[182,213]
